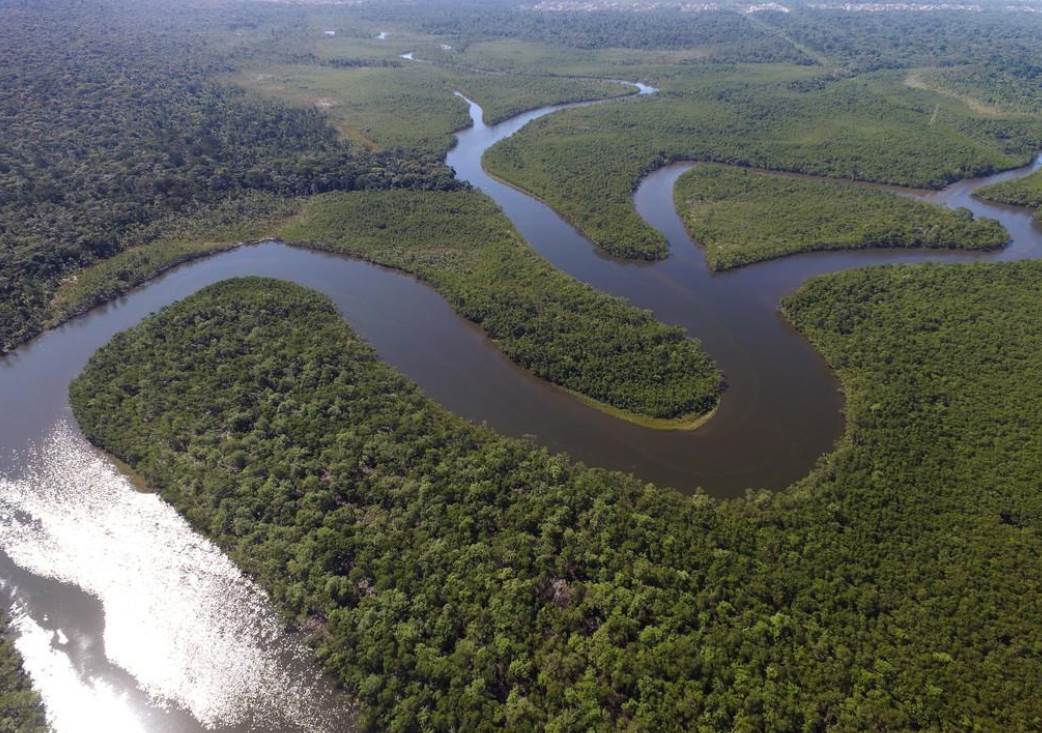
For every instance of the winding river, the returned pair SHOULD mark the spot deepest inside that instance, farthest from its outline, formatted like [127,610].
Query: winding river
[129,620]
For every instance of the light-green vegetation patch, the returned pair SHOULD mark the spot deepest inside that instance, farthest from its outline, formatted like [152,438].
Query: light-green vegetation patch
[457,580]
[741,216]
[564,331]
[1026,191]
[412,105]
[586,162]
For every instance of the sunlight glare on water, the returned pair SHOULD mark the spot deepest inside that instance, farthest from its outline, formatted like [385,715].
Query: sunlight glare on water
[178,615]
[83,704]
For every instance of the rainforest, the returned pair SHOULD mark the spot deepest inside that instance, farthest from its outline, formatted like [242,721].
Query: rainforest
[559,366]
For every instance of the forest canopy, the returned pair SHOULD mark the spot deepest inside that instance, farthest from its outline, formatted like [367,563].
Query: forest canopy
[597,345]
[872,127]
[460,580]
[114,130]
[740,216]
[1026,191]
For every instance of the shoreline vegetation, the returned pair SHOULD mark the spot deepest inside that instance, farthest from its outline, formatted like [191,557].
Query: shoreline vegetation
[1026,192]
[563,588]
[596,346]
[615,355]
[740,216]
[121,273]
[691,421]
[585,163]
[21,709]
[413,107]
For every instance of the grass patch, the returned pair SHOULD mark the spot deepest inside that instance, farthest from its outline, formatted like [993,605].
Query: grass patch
[741,216]
[412,105]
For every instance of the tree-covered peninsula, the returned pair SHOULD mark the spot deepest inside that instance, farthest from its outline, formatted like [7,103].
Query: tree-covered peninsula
[740,216]
[1026,191]
[568,333]
[455,579]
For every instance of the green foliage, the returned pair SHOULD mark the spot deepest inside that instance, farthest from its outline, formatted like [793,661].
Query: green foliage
[463,581]
[564,331]
[501,98]
[112,126]
[742,216]
[873,40]
[987,89]
[20,708]
[412,106]
[586,162]
[722,36]
[242,219]
[1026,191]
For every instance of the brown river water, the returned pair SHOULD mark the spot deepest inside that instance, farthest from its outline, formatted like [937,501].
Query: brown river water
[130,621]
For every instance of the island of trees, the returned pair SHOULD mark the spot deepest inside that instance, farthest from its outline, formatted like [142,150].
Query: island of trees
[741,216]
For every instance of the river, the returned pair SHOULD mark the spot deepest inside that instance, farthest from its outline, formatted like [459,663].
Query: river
[129,620]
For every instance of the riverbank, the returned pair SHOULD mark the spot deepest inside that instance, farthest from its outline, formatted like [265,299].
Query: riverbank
[542,560]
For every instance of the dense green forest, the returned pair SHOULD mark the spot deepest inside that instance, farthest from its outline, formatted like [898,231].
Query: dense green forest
[1026,191]
[566,332]
[987,90]
[461,580]
[247,218]
[21,710]
[872,41]
[741,216]
[114,130]
[586,162]
[720,36]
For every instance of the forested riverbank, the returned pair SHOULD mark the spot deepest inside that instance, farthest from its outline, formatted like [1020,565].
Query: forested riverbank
[586,162]
[171,145]
[452,578]
[20,708]
[740,216]
[1025,191]
[601,347]
[459,579]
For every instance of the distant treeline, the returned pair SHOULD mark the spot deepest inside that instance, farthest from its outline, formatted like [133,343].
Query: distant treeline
[870,127]
[719,35]
[871,41]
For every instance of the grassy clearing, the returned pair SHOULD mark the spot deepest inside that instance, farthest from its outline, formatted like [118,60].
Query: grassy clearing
[741,216]
[586,162]
[565,332]
[412,105]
